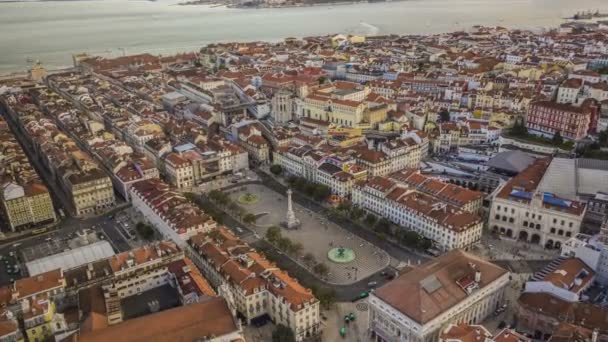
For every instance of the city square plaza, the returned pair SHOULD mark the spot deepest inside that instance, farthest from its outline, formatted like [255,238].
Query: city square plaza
[348,257]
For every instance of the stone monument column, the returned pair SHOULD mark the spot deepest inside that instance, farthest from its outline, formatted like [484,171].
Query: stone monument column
[291,221]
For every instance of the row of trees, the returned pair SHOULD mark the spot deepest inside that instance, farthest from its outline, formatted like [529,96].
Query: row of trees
[383,226]
[294,248]
[319,192]
[519,130]
[224,201]
[206,207]
[275,237]
[276,169]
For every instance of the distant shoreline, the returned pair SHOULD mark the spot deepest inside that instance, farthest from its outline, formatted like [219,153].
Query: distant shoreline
[286,5]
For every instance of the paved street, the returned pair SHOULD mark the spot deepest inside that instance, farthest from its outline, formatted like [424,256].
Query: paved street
[67,228]
[512,293]
[494,247]
[355,331]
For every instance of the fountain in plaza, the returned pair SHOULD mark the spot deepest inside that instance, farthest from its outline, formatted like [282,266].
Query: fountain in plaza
[341,255]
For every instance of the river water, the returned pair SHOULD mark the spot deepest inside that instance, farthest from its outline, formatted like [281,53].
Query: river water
[52,31]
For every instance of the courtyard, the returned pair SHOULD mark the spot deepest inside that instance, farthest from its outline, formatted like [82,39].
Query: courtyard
[353,257]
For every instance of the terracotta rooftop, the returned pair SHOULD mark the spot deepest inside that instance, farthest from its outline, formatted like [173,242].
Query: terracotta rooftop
[571,274]
[508,335]
[433,287]
[465,333]
[185,323]
[30,286]
[142,255]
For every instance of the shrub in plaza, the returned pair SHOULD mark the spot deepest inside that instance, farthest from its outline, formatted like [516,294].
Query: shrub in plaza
[344,206]
[383,226]
[425,244]
[276,169]
[249,218]
[370,219]
[309,259]
[321,192]
[409,237]
[295,248]
[321,269]
[284,243]
[273,234]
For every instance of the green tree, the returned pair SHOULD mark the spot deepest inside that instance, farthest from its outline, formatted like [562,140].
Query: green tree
[190,197]
[232,206]
[557,139]
[283,334]
[296,248]
[519,129]
[249,218]
[370,219]
[602,138]
[326,296]
[144,230]
[410,238]
[357,213]
[383,226]
[240,212]
[425,244]
[284,243]
[344,206]
[321,192]
[322,79]
[300,183]
[292,180]
[309,189]
[309,259]
[215,194]
[321,269]
[273,234]
[276,169]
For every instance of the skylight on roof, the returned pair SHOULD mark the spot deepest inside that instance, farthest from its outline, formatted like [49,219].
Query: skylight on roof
[430,284]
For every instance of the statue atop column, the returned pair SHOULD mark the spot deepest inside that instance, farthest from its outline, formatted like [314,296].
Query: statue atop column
[291,221]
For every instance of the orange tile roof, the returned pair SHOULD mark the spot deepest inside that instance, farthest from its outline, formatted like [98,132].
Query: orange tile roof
[248,269]
[571,274]
[142,255]
[463,332]
[30,286]
[185,323]
[421,304]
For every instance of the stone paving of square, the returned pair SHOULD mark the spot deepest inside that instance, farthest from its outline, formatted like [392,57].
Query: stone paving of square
[317,234]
